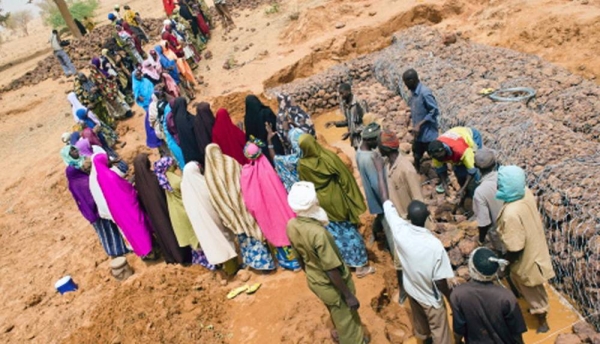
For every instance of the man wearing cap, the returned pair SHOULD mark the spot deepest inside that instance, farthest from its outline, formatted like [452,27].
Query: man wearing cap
[485,204]
[522,232]
[424,113]
[483,312]
[426,270]
[327,275]
[457,146]
[365,161]
[117,11]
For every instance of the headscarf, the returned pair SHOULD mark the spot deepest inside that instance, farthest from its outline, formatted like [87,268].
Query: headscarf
[96,63]
[82,115]
[389,139]
[144,88]
[83,145]
[68,159]
[287,165]
[229,137]
[304,202]
[169,65]
[298,118]
[265,196]
[66,138]
[89,135]
[170,139]
[203,127]
[252,150]
[79,186]
[160,169]
[151,67]
[153,200]
[76,105]
[184,121]
[511,183]
[215,239]
[223,178]
[124,206]
[336,187]
[257,114]
[484,264]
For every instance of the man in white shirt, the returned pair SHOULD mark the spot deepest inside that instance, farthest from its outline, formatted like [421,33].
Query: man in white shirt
[426,270]
[61,55]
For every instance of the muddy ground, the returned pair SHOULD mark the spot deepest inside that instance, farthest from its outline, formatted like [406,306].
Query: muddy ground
[43,237]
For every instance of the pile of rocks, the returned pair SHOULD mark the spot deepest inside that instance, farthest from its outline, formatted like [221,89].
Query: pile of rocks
[80,51]
[554,137]
[251,4]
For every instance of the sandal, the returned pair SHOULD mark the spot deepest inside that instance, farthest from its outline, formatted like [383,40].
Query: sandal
[369,271]
[237,291]
[253,288]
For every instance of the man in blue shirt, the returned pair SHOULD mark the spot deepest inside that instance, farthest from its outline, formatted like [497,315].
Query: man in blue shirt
[424,113]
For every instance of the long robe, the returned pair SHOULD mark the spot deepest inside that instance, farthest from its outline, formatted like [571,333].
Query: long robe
[215,239]
[266,199]
[124,206]
[228,137]
[203,126]
[184,122]
[154,202]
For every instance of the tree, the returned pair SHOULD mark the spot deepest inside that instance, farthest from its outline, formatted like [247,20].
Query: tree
[52,15]
[3,17]
[19,21]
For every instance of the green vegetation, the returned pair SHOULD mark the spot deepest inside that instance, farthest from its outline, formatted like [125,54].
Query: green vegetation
[78,8]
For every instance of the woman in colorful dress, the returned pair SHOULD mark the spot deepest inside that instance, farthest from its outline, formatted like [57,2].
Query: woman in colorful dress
[266,199]
[223,179]
[115,101]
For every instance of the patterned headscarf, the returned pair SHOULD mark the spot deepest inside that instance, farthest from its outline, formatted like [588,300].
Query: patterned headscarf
[160,169]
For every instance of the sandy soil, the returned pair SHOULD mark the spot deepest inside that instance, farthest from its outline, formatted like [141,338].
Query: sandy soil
[43,237]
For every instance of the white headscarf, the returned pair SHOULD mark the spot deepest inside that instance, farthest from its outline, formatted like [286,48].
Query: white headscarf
[76,105]
[304,202]
[97,194]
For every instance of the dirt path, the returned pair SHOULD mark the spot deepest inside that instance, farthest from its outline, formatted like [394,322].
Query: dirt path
[44,237]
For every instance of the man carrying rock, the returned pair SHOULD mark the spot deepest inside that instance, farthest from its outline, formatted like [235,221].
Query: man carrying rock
[457,146]
[426,270]
[61,55]
[522,233]
[483,312]
[353,109]
[327,275]
[485,204]
[424,113]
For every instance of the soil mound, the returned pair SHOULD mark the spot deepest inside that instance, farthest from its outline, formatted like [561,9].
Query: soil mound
[135,312]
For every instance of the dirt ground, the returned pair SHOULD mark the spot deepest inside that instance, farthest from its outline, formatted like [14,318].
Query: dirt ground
[43,236]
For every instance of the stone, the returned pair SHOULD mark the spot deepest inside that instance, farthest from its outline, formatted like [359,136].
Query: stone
[463,272]
[340,25]
[467,246]
[449,38]
[372,13]
[584,331]
[456,257]
[567,338]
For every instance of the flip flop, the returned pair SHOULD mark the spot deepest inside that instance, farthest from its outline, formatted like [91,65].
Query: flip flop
[253,288]
[369,271]
[237,291]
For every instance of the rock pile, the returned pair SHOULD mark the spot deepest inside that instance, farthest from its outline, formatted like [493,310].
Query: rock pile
[80,51]
[554,136]
[251,4]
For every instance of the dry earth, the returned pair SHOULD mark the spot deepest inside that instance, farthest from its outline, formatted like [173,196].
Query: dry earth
[43,237]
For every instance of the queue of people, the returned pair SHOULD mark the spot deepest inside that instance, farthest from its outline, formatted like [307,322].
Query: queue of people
[265,194]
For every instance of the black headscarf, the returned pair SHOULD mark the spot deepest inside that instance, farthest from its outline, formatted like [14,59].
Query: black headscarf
[154,202]
[257,114]
[203,126]
[184,122]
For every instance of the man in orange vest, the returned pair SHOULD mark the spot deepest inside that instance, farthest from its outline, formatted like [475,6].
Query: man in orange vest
[457,146]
